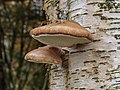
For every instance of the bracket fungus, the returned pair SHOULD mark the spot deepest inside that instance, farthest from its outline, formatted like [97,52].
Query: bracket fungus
[61,33]
[46,54]
[64,34]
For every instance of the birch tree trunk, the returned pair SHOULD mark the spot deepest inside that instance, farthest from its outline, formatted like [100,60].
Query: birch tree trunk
[95,66]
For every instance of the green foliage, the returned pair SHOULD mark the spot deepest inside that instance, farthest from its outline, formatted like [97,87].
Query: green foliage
[16,19]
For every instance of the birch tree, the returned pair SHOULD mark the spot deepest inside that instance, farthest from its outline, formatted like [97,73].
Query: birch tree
[93,66]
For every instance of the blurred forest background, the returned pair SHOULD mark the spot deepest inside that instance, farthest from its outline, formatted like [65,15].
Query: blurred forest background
[17,17]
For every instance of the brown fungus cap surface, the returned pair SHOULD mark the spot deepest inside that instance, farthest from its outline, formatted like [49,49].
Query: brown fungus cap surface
[66,33]
[47,54]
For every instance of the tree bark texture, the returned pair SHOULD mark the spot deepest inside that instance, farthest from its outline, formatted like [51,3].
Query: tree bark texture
[94,66]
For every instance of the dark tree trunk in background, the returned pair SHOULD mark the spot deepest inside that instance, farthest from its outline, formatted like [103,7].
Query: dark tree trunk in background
[2,79]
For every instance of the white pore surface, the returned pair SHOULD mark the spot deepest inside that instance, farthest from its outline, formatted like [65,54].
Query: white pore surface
[60,39]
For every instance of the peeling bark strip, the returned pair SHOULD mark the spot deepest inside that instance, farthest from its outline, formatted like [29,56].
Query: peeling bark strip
[95,66]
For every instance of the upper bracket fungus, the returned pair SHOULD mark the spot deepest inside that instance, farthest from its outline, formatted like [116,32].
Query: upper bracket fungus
[65,34]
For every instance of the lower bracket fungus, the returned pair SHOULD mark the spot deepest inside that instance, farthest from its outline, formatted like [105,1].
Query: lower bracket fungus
[46,54]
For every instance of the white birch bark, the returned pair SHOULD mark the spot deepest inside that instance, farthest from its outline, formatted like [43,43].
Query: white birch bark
[95,66]
[58,74]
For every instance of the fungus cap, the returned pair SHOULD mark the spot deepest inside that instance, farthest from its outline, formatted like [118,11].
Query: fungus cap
[66,33]
[47,54]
